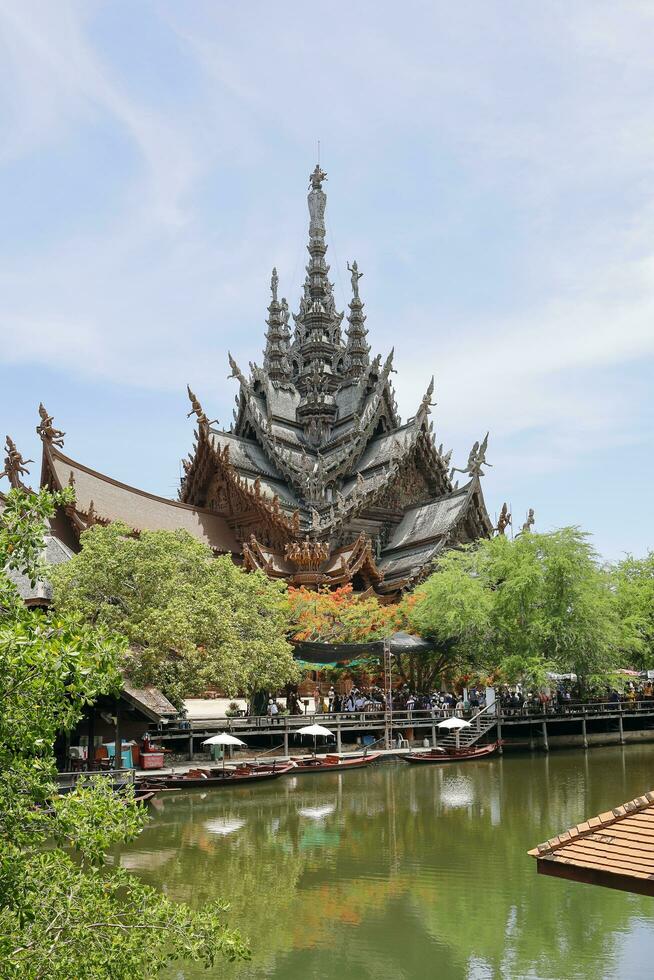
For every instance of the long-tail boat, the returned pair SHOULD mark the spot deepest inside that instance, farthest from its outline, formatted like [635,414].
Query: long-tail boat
[438,756]
[211,778]
[331,763]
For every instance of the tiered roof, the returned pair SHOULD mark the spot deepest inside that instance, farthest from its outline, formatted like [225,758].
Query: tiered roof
[318,437]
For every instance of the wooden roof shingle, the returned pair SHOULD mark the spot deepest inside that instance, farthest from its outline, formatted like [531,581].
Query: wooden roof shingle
[614,849]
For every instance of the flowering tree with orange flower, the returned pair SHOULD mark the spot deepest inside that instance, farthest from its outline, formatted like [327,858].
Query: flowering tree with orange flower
[341,616]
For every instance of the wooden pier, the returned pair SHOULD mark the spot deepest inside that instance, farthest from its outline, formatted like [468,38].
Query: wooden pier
[534,726]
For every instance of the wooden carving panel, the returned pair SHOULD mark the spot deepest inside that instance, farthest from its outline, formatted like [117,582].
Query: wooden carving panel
[218,496]
[409,487]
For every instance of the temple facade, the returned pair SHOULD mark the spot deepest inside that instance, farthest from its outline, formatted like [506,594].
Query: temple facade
[318,481]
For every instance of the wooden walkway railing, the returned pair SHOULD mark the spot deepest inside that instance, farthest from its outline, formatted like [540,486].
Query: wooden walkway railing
[403,723]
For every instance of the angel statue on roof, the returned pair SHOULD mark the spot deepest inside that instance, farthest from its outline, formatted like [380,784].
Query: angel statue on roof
[356,275]
[46,430]
[15,465]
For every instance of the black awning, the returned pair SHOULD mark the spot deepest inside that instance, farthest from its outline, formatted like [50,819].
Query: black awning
[325,653]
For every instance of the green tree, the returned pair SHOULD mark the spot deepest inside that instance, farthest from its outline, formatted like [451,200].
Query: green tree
[63,914]
[542,600]
[192,621]
[634,588]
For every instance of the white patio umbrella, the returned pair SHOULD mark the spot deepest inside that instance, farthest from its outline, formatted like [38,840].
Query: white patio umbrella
[315,730]
[223,738]
[454,724]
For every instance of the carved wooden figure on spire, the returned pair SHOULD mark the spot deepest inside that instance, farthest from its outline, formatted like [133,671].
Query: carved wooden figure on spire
[46,430]
[426,404]
[476,459]
[15,465]
[529,523]
[235,369]
[197,410]
[356,275]
[316,178]
[504,519]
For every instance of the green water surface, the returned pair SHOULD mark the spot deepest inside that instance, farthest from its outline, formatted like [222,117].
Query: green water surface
[407,872]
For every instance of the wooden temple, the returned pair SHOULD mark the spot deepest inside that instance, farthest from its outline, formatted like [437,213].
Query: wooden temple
[318,481]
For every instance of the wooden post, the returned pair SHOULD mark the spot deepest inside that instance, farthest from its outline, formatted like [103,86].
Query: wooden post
[583,732]
[621,726]
[546,745]
[339,745]
[118,755]
[500,750]
[190,747]
[433,735]
[91,738]
[286,739]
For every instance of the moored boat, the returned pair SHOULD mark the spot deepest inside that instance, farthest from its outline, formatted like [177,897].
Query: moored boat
[274,765]
[331,763]
[210,778]
[439,756]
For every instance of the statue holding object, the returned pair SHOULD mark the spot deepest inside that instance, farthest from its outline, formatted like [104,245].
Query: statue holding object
[15,465]
[529,523]
[476,459]
[354,279]
[46,430]
[197,410]
[504,519]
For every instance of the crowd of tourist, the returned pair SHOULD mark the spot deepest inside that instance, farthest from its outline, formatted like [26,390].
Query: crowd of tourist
[562,697]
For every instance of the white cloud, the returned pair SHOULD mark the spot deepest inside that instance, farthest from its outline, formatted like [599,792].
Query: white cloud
[550,114]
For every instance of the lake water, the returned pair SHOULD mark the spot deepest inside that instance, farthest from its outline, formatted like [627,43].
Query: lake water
[407,872]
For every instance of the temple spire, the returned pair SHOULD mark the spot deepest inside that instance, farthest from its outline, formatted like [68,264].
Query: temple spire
[317,353]
[317,331]
[357,351]
[278,338]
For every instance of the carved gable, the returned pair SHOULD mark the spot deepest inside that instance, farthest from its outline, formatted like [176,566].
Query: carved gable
[409,487]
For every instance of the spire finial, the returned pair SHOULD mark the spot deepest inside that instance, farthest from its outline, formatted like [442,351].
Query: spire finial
[316,178]
[275,359]
[357,349]
[354,279]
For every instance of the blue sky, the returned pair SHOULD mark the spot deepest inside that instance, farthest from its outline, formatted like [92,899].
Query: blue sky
[490,167]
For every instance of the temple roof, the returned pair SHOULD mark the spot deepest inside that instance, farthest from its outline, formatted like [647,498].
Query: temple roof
[318,448]
[426,529]
[424,522]
[54,552]
[103,499]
